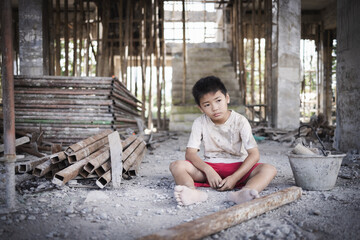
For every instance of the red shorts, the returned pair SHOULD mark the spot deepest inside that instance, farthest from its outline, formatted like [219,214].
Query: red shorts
[225,170]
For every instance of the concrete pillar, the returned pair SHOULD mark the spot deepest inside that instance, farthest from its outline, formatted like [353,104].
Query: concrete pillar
[347,133]
[286,65]
[31,37]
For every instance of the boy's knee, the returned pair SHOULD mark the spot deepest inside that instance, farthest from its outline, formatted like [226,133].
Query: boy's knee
[175,165]
[267,169]
[270,169]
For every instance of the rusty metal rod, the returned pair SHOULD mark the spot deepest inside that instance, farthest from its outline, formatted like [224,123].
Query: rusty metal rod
[104,179]
[93,164]
[8,101]
[103,168]
[129,150]
[30,165]
[133,170]
[43,168]
[82,144]
[58,157]
[126,143]
[131,159]
[84,152]
[65,175]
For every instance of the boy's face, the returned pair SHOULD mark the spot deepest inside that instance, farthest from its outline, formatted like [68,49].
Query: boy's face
[215,106]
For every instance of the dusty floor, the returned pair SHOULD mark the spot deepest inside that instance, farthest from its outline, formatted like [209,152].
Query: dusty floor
[145,205]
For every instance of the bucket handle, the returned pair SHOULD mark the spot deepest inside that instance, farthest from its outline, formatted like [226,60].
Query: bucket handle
[323,150]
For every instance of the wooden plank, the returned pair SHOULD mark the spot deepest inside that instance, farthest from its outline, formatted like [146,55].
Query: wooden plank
[116,158]
[232,216]
[18,142]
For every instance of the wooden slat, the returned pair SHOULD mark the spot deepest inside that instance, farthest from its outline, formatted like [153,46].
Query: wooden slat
[232,216]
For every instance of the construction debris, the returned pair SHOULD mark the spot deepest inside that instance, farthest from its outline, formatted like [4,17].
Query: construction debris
[90,158]
[18,142]
[69,109]
[316,133]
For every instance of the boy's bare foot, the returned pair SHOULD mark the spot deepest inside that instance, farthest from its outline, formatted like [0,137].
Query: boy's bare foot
[186,196]
[243,195]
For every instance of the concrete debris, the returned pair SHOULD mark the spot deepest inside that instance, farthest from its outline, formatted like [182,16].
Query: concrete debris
[96,196]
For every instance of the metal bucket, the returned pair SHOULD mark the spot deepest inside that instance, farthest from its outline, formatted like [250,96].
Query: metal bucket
[315,172]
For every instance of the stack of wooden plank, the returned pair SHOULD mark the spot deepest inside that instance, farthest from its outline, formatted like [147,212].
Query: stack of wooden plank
[90,158]
[69,109]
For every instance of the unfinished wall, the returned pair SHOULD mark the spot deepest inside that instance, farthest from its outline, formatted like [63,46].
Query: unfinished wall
[286,65]
[31,37]
[347,133]
[203,60]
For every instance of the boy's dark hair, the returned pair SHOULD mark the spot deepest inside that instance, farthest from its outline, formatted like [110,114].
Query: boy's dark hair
[210,84]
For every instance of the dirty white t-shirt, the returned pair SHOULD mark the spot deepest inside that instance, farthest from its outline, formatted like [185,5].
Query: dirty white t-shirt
[224,143]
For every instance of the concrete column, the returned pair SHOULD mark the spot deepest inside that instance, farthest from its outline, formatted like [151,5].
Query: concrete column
[347,133]
[286,65]
[31,37]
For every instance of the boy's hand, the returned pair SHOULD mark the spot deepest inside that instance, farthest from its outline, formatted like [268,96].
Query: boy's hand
[213,177]
[227,183]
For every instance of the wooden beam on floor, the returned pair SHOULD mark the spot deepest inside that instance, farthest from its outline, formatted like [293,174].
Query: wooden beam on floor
[232,216]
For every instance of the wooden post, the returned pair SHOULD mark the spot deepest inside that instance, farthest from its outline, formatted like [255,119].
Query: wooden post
[131,52]
[242,83]
[126,52]
[87,51]
[120,10]
[75,23]
[151,49]
[184,53]
[268,61]
[163,63]
[57,36]
[157,56]
[252,54]
[104,43]
[143,60]
[51,38]
[327,75]
[235,34]
[259,52]
[232,216]
[81,34]
[98,42]
[66,33]
[136,73]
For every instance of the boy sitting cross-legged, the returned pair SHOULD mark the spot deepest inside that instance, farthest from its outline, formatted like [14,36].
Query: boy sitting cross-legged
[230,151]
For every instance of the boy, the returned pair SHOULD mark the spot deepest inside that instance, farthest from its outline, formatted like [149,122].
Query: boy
[230,151]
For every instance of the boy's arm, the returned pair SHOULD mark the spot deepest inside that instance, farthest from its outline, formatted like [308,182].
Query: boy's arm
[212,176]
[252,158]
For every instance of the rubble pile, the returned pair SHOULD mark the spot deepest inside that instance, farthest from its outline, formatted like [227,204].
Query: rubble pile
[89,158]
